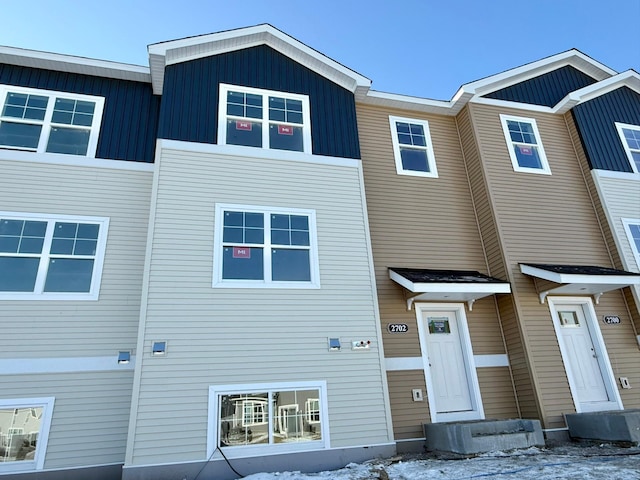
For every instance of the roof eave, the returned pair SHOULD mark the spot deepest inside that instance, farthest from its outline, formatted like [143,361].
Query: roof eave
[183,50]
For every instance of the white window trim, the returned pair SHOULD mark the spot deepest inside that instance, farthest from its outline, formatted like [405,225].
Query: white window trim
[46,123]
[222,116]
[215,391]
[431,159]
[627,222]
[545,170]
[625,145]
[43,437]
[310,412]
[219,282]
[38,293]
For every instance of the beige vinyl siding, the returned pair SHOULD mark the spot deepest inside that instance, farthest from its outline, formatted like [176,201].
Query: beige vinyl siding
[408,416]
[498,397]
[90,414]
[254,335]
[85,328]
[422,222]
[541,219]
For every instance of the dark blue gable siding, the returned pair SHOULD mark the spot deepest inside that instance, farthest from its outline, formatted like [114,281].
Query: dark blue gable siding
[547,89]
[190,98]
[130,118]
[595,121]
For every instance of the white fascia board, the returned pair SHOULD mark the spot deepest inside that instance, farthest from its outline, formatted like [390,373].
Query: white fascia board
[573,57]
[406,102]
[449,287]
[623,280]
[629,78]
[68,63]
[177,51]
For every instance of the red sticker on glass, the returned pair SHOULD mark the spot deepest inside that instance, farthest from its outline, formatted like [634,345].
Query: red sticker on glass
[285,130]
[241,252]
[243,125]
[526,150]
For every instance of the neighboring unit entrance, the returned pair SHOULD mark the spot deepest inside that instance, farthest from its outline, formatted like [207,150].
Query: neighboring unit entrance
[584,355]
[452,382]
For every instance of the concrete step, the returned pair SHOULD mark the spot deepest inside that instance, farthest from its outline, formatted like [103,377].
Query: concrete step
[613,426]
[483,435]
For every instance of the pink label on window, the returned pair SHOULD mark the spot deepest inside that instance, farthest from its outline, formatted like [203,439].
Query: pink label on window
[526,150]
[243,125]
[241,252]
[285,130]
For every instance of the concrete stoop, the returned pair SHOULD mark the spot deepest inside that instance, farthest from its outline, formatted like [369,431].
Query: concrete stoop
[613,426]
[483,435]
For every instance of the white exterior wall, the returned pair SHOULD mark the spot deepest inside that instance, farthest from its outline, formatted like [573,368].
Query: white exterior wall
[68,349]
[620,195]
[222,336]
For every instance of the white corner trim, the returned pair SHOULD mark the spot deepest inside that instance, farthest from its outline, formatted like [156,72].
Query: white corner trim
[25,366]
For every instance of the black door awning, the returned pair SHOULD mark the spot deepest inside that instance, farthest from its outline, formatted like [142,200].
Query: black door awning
[577,279]
[446,285]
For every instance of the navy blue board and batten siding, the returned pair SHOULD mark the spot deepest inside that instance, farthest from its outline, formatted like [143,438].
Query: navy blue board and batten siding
[595,121]
[190,98]
[547,89]
[130,118]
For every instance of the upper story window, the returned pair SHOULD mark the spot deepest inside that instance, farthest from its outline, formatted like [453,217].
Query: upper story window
[412,147]
[525,147]
[632,227]
[630,136]
[51,258]
[46,121]
[265,247]
[264,119]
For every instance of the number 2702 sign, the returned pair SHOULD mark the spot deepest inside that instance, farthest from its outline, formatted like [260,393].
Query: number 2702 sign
[398,328]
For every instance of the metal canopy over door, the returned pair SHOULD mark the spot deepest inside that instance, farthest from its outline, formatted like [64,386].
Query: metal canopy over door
[452,383]
[590,377]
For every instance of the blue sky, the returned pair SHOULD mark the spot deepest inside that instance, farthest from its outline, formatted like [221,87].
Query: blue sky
[425,48]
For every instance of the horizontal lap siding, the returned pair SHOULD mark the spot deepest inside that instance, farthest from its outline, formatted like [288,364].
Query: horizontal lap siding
[90,414]
[422,223]
[498,397]
[223,336]
[85,328]
[408,416]
[542,219]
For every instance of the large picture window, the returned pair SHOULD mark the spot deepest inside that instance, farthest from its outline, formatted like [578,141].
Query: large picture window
[412,147]
[51,257]
[266,119]
[262,415]
[265,247]
[46,121]
[24,430]
[525,148]
[630,137]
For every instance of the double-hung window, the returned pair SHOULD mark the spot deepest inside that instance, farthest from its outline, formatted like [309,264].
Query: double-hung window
[51,257]
[290,416]
[46,121]
[265,119]
[632,228]
[412,147]
[630,137]
[265,247]
[525,147]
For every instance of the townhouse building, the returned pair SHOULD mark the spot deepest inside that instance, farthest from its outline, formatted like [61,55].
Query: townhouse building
[241,258]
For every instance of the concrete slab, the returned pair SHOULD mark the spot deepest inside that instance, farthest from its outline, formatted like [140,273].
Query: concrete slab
[615,426]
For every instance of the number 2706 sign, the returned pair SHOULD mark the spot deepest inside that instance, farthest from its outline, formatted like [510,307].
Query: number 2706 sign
[398,328]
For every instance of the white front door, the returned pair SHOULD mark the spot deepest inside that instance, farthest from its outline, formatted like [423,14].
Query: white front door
[590,377]
[452,383]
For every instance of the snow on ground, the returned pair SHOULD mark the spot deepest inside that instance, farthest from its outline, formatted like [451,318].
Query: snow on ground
[567,462]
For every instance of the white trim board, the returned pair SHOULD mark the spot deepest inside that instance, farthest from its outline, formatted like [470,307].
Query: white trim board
[398,364]
[22,366]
